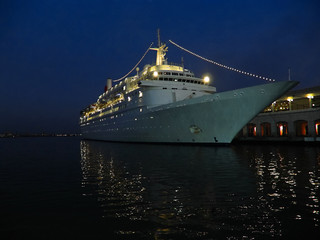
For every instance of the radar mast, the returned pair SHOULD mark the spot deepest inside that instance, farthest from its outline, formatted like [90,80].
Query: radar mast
[161,51]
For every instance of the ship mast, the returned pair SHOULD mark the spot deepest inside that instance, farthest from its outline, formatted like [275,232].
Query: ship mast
[161,51]
[159,43]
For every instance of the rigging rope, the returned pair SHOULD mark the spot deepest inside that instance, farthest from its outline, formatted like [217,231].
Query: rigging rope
[117,80]
[221,65]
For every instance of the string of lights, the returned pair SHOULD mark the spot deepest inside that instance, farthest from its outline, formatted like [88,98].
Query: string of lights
[221,65]
[117,80]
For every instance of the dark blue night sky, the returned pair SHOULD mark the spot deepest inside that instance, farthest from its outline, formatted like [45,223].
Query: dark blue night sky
[56,55]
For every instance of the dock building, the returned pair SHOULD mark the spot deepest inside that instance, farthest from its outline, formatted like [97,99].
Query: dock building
[293,117]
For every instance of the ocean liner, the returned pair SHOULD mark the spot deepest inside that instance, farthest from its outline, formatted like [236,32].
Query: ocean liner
[167,103]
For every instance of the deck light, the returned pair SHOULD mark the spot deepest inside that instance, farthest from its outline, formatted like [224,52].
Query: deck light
[155,74]
[206,79]
[290,99]
[310,97]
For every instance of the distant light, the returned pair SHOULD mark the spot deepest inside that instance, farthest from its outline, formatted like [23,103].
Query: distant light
[155,74]
[289,99]
[206,79]
[310,96]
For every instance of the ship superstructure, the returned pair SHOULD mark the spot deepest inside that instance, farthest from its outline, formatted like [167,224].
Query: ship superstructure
[166,103]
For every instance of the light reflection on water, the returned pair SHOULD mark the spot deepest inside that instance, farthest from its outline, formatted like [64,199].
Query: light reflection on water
[241,191]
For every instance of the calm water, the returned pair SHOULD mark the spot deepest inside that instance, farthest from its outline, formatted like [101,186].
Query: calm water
[65,188]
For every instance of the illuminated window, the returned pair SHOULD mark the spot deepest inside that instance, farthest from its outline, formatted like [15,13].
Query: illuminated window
[282,129]
[317,125]
[252,130]
[301,127]
[265,129]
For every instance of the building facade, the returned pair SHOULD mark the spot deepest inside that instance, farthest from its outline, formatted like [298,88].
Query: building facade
[293,117]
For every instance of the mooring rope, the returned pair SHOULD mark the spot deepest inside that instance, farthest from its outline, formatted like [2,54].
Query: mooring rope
[117,80]
[221,65]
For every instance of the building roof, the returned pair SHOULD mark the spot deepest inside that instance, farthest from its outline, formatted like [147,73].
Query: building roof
[302,93]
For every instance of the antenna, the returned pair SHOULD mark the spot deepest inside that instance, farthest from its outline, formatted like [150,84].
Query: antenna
[159,43]
[289,74]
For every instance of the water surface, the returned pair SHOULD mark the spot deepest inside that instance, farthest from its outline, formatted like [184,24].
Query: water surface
[71,188]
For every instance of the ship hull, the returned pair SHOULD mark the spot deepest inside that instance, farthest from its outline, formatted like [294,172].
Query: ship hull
[210,119]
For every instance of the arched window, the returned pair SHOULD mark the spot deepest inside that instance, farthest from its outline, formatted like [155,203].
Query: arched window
[282,129]
[317,125]
[265,129]
[252,130]
[301,127]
